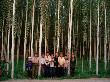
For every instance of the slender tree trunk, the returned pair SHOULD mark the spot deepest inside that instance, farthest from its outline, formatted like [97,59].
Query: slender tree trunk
[40,45]
[109,52]
[90,52]
[80,50]
[13,42]
[100,48]
[18,43]
[2,40]
[45,40]
[73,38]
[30,45]
[25,42]
[45,44]
[83,46]
[37,40]
[32,28]
[69,32]
[54,46]
[25,38]
[36,45]
[55,38]
[105,41]
[5,44]
[97,57]
[108,45]
[62,39]
[18,46]
[58,34]
[77,44]
[8,48]
[94,47]
[82,64]
[83,54]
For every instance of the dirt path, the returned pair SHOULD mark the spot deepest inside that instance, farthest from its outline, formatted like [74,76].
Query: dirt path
[65,80]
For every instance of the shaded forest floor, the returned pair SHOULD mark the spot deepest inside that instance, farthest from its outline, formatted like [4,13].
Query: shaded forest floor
[81,71]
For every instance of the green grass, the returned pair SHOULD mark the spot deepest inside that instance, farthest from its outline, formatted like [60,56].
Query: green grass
[19,74]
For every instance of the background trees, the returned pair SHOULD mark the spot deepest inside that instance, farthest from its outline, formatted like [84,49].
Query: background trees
[80,26]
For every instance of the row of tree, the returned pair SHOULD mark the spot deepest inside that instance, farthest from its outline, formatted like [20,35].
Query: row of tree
[79,26]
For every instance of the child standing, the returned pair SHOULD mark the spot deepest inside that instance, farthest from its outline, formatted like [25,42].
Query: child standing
[52,69]
[29,67]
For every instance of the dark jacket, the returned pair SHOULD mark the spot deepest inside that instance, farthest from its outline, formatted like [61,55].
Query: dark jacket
[29,66]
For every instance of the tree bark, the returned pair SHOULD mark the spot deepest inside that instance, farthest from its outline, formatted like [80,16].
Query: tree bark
[8,48]
[69,33]
[45,40]
[25,38]
[58,34]
[32,51]
[18,46]
[94,47]
[90,52]
[2,40]
[97,57]
[105,41]
[13,42]
[40,45]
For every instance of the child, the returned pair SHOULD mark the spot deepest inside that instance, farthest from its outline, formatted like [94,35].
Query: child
[61,61]
[29,67]
[47,64]
[42,62]
[52,70]
[66,65]
[72,64]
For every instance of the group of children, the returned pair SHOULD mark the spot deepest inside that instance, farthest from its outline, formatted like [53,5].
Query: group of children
[51,66]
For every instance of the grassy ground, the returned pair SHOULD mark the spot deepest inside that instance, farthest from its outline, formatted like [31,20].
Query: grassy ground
[79,73]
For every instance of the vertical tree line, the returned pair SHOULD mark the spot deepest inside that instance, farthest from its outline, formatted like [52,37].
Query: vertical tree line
[79,26]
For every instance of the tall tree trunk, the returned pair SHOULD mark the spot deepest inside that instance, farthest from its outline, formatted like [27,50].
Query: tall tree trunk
[77,44]
[69,32]
[108,45]
[13,41]
[30,44]
[62,39]
[18,46]
[36,45]
[5,44]
[55,37]
[45,39]
[37,40]
[73,36]
[90,51]
[58,34]
[100,48]
[32,28]
[83,53]
[54,46]
[105,41]
[2,40]
[109,52]
[25,38]
[8,48]
[94,47]
[82,63]
[18,43]
[80,50]
[40,45]
[97,57]
[83,46]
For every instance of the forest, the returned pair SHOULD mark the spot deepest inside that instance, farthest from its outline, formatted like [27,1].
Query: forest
[38,26]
